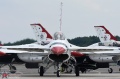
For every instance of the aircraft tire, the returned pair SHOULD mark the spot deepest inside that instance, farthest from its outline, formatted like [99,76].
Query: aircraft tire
[119,69]
[77,70]
[41,71]
[83,70]
[58,73]
[13,69]
[110,70]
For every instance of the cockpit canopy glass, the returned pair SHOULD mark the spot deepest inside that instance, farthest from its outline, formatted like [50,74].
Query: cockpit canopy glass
[59,36]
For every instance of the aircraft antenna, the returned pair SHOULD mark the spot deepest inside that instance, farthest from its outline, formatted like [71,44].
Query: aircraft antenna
[61,15]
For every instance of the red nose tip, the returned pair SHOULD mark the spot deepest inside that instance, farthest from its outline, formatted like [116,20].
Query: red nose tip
[58,50]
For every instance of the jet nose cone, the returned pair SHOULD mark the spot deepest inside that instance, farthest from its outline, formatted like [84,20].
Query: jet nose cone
[58,50]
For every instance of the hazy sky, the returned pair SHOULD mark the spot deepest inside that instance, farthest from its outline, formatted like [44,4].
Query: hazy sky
[79,17]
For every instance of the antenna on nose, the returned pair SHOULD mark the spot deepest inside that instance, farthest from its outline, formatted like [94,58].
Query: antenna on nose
[61,15]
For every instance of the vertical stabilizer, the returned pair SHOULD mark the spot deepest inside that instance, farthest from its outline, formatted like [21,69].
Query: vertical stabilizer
[104,34]
[41,34]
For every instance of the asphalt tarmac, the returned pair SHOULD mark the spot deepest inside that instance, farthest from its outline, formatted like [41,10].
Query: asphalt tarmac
[23,73]
[68,76]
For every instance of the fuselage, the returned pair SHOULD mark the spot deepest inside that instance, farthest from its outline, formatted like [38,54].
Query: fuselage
[59,50]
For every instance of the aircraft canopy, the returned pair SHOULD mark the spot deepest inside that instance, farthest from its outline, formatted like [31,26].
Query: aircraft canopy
[59,36]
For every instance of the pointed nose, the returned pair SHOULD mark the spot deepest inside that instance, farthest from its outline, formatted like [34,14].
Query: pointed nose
[58,50]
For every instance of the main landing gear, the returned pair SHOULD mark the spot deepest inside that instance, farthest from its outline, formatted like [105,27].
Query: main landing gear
[110,70]
[119,69]
[77,70]
[67,68]
[12,68]
[41,70]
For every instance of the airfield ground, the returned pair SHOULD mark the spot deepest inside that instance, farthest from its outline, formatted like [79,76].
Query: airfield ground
[23,73]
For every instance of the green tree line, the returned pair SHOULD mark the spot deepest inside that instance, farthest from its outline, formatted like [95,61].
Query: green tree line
[79,41]
[24,41]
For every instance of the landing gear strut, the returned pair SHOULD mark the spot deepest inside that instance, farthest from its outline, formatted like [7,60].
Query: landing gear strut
[110,70]
[69,69]
[41,70]
[12,68]
[58,70]
[66,68]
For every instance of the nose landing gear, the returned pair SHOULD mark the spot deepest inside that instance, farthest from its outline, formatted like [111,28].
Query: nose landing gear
[58,70]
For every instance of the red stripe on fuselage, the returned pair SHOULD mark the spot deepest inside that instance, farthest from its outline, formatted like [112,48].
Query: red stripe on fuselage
[2,53]
[76,54]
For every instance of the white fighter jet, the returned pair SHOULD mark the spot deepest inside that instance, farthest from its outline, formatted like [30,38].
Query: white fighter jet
[57,51]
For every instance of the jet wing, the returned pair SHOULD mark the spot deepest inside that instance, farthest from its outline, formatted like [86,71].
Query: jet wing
[5,51]
[92,49]
[110,53]
[24,49]
[8,51]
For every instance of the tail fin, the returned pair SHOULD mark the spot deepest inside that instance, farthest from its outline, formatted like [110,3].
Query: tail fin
[40,32]
[104,34]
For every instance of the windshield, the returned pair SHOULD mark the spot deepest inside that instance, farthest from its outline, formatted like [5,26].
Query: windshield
[59,36]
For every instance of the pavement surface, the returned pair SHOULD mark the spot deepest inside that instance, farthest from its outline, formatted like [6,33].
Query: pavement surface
[23,73]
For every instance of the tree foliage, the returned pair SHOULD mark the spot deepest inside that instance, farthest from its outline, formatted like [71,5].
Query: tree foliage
[84,41]
[79,41]
[118,38]
[24,41]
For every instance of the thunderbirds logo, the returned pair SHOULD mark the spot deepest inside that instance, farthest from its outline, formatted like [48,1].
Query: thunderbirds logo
[8,75]
[4,75]
[105,38]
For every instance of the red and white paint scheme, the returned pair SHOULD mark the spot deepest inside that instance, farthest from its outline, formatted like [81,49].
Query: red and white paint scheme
[104,34]
[40,30]
[42,36]
[106,38]
[57,51]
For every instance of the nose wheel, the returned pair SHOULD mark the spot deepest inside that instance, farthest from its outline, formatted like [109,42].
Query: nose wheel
[41,71]
[58,70]
[58,73]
